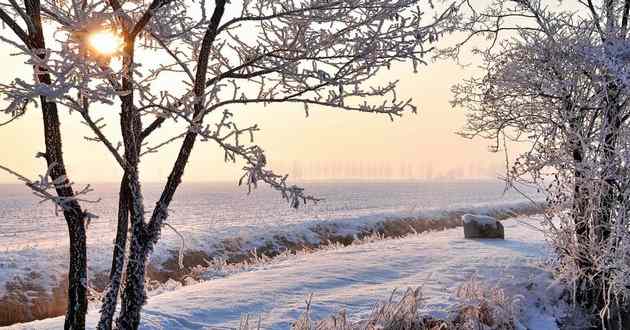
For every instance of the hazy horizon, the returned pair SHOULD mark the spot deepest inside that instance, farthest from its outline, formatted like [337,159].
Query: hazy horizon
[427,139]
[324,137]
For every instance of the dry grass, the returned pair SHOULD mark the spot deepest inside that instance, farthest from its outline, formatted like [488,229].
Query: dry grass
[481,309]
[27,301]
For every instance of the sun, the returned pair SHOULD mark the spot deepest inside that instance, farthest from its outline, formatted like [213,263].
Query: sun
[105,42]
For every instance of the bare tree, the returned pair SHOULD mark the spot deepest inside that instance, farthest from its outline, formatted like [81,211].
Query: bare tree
[316,54]
[559,82]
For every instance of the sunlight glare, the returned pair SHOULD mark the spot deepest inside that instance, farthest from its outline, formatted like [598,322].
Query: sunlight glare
[105,42]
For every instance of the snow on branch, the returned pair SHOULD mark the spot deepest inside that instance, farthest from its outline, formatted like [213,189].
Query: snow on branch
[255,169]
[44,187]
[317,54]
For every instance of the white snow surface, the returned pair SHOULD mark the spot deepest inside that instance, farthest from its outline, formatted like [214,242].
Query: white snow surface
[51,262]
[356,277]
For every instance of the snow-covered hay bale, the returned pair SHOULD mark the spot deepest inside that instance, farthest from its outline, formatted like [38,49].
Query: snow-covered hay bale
[482,226]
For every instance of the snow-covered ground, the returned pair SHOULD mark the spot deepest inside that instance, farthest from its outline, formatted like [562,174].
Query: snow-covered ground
[51,262]
[356,277]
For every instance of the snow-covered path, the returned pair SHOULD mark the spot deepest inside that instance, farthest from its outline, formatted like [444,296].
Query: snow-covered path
[353,278]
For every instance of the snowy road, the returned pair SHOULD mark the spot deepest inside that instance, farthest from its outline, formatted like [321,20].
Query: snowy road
[353,278]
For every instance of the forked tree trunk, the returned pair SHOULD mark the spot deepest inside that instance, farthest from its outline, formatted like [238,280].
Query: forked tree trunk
[144,236]
[133,294]
[580,189]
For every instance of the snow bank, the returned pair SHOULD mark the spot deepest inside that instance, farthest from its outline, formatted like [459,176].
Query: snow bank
[355,277]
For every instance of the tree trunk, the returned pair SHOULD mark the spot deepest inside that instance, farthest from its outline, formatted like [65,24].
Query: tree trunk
[77,276]
[75,220]
[118,259]
[144,236]
[610,171]
[617,310]
[75,217]
[580,191]
[580,195]
[134,295]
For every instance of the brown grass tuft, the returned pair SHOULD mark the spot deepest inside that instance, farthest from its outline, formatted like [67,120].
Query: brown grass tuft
[484,309]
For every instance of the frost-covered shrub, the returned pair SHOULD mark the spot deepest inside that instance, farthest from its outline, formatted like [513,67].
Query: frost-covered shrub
[560,83]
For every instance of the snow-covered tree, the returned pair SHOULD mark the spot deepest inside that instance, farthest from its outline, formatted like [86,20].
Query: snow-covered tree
[558,80]
[211,58]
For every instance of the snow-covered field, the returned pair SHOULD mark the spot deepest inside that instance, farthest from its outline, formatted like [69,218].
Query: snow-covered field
[357,276]
[225,210]
[209,215]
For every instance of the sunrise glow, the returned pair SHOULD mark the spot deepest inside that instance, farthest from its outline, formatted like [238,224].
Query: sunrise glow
[105,42]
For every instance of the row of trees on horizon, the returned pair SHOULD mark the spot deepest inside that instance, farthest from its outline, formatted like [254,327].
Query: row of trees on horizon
[388,170]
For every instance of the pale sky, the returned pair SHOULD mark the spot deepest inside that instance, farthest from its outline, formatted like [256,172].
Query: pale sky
[325,137]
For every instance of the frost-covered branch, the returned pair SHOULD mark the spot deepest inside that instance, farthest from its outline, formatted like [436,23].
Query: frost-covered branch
[44,187]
